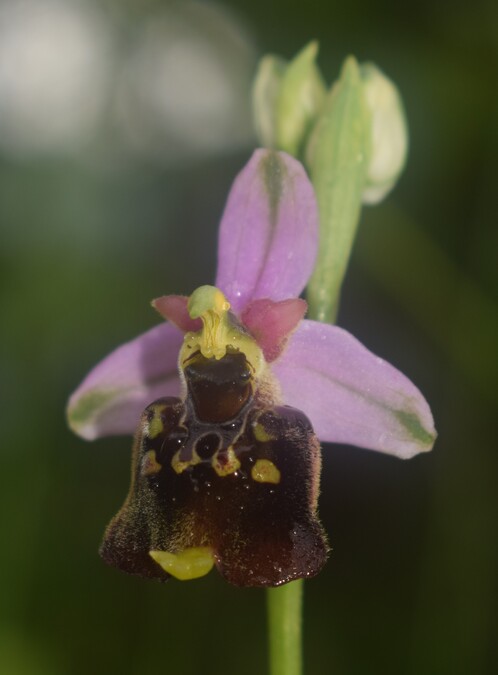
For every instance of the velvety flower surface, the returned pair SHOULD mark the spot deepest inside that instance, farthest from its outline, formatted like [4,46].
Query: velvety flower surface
[267,248]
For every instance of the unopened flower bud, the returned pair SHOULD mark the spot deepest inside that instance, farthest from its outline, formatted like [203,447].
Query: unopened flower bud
[264,98]
[300,100]
[338,154]
[287,99]
[389,133]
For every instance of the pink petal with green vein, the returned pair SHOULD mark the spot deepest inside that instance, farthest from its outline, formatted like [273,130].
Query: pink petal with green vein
[269,231]
[112,397]
[352,396]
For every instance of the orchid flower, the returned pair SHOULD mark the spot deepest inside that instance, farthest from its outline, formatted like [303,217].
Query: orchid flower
[233,393]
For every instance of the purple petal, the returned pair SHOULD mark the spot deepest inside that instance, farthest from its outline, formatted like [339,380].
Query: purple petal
[113,395]
[352,396]
[269,231]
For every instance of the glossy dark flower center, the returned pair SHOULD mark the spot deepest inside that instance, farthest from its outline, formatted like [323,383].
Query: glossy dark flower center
[218,389]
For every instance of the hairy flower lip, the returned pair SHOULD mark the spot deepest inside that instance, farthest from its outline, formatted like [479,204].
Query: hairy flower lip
[267,249]
[246,502]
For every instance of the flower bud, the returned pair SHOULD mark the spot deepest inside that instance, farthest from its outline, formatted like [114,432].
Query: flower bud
[338,154]
[300,100]
[264,98]
[389,133]
[287,99]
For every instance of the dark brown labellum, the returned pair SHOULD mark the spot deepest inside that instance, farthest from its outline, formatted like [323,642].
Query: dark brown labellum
[219,471]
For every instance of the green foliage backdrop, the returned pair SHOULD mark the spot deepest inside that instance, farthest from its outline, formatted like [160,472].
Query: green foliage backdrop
[86,243]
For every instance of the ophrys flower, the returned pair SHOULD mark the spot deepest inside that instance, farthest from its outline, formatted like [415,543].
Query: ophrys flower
[224,470]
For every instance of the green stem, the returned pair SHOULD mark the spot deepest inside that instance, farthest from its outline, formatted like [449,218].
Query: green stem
[285,628]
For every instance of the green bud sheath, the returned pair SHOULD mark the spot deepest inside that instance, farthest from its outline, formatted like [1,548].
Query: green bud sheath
[265,93]
[300,100]
[338,156]
[389,133]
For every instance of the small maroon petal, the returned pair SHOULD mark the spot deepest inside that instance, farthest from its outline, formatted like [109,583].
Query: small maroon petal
[272,322]
[174,308]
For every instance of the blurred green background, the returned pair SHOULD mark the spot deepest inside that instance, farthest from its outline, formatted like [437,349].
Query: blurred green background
[122,125]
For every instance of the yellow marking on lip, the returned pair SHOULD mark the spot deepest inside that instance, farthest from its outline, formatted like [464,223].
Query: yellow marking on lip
[265,471]
[156,426]
[180,465]
[260,433]
[191,563]
[231,465]
[150,465]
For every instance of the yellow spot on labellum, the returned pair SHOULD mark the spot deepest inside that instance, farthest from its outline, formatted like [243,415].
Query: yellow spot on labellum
[156,425]
[227,465]
[180,465]
[191,563]
[265,471]
[260,433]
[150,465]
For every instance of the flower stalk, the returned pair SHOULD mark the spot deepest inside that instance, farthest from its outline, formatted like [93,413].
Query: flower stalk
[285,628]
